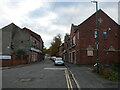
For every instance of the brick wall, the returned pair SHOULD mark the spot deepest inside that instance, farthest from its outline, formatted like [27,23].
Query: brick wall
[14,61]
[86,38]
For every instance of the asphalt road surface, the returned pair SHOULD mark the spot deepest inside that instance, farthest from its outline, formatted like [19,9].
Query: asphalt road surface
[38,75]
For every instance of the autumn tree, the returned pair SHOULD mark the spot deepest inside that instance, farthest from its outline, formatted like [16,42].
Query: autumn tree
[67,36]
[55,44]
[46,51]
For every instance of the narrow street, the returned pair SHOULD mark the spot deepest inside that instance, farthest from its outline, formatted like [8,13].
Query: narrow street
[45,75]
[38,75]
[82,36]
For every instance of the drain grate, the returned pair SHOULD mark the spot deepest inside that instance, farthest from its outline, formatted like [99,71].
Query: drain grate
[110,84]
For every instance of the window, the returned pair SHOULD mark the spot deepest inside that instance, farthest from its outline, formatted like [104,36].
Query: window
[73,56]
[35,42]
[95,34]
[104,34]
[70,42]
[73,40]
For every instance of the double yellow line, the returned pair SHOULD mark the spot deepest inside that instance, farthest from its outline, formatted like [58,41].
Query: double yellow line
[69,83]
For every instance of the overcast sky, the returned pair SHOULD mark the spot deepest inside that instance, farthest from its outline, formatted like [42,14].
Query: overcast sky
[51,17]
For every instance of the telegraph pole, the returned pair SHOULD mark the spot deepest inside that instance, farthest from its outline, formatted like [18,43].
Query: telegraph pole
[97,38]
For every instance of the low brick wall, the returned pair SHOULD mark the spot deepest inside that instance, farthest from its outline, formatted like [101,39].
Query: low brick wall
[12,62]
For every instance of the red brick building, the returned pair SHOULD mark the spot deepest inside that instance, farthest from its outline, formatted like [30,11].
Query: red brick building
[73,46]
[36,45]
[82,49]
[61,50]
[64,48]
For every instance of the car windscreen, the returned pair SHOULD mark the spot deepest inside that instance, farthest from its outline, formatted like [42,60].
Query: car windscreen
[58,59]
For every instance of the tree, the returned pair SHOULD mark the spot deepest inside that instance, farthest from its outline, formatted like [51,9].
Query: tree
[46,51]
[67,36]
[20,53]
[55,44]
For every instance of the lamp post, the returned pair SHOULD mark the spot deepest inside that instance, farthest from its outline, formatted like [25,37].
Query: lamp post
[97,37]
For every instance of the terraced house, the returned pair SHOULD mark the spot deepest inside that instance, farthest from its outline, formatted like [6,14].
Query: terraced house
[81,47]
[17,45]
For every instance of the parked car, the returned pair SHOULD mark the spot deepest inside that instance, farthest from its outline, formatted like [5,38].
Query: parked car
[53,58]
[49,57]
[59,61]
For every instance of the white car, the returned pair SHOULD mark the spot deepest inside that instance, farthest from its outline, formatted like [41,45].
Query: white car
[59,61]
[53,58]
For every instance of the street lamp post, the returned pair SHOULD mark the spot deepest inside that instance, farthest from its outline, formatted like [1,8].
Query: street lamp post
[97,37]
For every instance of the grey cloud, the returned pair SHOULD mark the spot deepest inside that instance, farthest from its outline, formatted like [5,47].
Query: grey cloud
[67,13]
[13,4]
[39,12]
[108,4]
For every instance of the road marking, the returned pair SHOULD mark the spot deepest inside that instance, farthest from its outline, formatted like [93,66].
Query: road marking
[73,77]
[67,80]
[55,68]
[78,86]
[69,83]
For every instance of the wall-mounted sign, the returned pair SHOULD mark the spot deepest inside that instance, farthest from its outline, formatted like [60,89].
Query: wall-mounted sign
[5,57]
[34,49]
[90,50]
[90,53]
[111,48]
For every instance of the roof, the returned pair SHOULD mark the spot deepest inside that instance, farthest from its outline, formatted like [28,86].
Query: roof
[75,27]
[35,35]
[99,11]
[11,24]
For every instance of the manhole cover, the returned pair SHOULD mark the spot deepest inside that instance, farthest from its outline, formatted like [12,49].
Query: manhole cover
[25,79]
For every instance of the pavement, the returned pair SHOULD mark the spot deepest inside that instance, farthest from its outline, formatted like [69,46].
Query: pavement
[87,79]
[2,68]
[18,66]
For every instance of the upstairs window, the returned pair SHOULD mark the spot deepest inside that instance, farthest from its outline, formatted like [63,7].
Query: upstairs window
[95,34]
[70,42]
[73,40]
[104,34]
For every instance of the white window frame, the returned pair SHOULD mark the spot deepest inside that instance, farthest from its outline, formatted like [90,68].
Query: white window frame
[74,42]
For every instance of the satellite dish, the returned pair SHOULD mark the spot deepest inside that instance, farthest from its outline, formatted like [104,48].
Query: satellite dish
[109,29]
